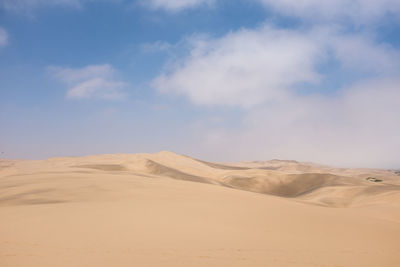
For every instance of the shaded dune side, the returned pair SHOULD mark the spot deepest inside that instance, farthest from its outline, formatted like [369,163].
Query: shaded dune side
[293,185]
[343,196]
[103,167]
[221,166]
[148,166]
[314,184]
[318,188]
[162,170]
[207,164]
[213,165]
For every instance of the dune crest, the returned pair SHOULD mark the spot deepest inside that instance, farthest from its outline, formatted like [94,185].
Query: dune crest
[306,182]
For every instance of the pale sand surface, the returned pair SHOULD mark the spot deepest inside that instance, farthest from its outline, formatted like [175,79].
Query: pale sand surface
[170,210]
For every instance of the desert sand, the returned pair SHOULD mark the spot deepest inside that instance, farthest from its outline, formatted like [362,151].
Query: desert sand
[166,209]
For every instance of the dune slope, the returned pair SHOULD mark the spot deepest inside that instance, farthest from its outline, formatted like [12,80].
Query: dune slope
[166,209]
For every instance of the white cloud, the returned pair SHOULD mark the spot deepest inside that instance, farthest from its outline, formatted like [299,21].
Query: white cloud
[361,53]
[176,5]
[3,37]
[94,81]
[245,68]
[260,70]
[360,11]
[252,67]
[96,87]
[69,75]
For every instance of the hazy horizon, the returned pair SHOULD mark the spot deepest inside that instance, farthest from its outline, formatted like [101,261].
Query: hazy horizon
[197,158]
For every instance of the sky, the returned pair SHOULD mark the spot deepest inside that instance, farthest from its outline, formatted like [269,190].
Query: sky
[220,80]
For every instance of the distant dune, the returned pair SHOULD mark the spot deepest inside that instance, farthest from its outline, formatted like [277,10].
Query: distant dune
[166,209]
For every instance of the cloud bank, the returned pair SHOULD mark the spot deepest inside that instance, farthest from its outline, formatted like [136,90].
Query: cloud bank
[265,72]
[252,67]
[93,81]
[358,127]
[244,68]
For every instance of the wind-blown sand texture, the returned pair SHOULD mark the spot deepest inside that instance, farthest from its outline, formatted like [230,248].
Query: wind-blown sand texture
[166,209]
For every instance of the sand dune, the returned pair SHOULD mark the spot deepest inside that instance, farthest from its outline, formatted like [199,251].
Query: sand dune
[166,209]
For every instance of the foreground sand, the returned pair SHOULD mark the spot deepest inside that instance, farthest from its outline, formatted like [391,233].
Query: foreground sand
[170,210]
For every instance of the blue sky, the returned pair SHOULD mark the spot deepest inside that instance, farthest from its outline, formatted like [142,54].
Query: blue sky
[220,80]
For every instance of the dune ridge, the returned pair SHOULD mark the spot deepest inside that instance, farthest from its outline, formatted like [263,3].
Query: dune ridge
[306,182]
